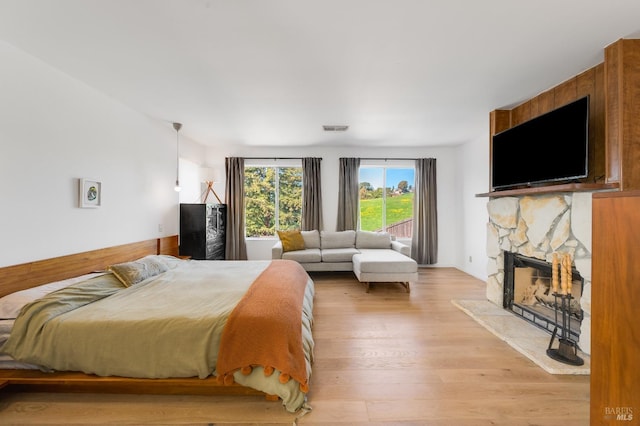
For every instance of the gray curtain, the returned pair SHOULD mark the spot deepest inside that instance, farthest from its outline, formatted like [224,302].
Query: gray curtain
[424,243]
[236,247]
[348,194]
[311,194]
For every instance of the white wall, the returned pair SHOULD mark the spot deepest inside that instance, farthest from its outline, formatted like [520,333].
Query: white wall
[473,162]
[449,214]
[55,130]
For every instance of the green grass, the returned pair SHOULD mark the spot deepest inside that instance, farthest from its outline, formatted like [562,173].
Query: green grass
[399,208]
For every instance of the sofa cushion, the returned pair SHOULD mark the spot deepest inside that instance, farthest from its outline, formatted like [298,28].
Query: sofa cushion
[373,240]
[337,239]
[311,238]
[383,261]
[303,256]
[338,254]
[291,240]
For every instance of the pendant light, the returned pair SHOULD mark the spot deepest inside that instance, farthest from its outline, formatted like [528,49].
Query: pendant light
[177,126]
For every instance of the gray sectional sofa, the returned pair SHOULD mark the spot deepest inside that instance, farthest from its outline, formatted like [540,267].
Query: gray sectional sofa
[372,256]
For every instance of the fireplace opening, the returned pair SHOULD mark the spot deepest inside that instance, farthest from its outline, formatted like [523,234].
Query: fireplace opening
[528,294]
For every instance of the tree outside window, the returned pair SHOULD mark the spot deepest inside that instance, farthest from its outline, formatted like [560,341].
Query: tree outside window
[386,200]
[273,199]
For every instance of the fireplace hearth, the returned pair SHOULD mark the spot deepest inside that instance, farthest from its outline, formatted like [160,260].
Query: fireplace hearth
[528,294]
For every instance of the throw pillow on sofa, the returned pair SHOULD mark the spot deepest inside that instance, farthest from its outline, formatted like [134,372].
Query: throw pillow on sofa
[291,240]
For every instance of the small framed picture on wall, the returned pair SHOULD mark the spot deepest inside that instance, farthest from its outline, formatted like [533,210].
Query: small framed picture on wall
[90,193]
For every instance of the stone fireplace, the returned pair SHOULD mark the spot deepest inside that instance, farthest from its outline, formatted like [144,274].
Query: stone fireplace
[528,293]
[535,227]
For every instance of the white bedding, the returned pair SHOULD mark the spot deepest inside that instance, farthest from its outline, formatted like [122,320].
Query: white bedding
[11,304]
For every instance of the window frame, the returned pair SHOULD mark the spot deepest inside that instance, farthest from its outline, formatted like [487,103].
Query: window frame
[275,163]
[385,165]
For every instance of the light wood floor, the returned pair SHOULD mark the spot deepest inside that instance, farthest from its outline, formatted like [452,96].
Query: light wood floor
[386,357]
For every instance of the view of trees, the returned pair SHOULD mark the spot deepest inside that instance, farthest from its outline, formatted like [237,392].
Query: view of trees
[273,199]
[368,192]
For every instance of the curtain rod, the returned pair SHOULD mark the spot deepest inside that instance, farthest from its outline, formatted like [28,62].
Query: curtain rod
[300,158]
[360,158]
[386,158]
[277,158]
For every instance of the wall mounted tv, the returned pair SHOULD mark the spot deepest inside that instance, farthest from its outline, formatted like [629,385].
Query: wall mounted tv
[550,148]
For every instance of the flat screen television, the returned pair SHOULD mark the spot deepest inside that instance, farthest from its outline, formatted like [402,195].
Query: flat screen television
[550,148]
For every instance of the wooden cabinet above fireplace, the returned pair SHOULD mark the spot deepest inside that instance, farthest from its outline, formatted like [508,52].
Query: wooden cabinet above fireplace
[614,130]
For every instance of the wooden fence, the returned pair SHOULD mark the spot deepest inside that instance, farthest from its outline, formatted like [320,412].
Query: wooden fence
[403,229]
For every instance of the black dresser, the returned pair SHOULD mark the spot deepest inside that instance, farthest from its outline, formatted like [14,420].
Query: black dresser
[202,231]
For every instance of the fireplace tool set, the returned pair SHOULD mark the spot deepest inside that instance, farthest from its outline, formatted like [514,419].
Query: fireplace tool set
[567,351]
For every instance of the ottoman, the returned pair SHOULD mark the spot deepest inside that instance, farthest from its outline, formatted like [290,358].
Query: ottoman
[377,265]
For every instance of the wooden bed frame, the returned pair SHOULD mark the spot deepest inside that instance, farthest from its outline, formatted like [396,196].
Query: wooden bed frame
[27,275]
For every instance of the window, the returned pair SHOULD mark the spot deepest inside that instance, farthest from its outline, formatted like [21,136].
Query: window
[273,199]
[386,199]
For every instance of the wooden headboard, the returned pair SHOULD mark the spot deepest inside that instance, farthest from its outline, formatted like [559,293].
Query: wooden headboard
[31,274]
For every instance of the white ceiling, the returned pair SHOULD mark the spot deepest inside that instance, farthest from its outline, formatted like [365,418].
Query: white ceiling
[272,72]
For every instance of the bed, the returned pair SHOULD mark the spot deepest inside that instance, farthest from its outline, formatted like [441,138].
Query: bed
[149,322]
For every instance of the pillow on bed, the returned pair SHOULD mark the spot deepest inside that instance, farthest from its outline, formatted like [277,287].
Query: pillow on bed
[291,240]
[11,304]
[131,273]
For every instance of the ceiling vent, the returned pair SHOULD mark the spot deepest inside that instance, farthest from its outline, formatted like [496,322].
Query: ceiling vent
[335,128]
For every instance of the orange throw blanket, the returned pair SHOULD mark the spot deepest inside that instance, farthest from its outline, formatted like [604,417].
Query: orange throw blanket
[265,328]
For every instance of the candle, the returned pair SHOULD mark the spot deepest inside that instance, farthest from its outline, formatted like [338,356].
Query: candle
[569,279]
[563,275]
[554,273]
